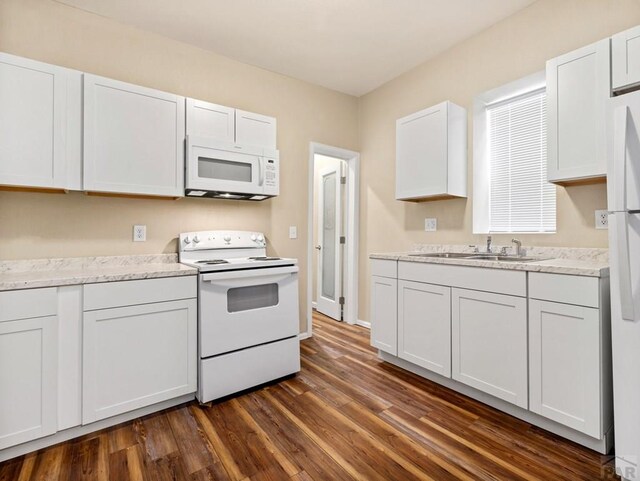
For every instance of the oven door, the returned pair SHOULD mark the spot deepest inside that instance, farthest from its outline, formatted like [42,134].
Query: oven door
[244,308]
[222,167]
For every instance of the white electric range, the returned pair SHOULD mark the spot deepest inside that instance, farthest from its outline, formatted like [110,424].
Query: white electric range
[248,317]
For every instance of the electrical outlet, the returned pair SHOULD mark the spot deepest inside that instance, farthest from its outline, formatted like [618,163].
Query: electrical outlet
[602,219]
[431,224]
[293,232]
[139,233]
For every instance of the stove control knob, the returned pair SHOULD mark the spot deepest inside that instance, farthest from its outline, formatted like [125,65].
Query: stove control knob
[260,238]
[227,238]
[187,240]
[254,237]
[196,239]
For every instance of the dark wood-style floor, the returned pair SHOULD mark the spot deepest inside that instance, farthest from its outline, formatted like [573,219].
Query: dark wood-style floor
[345,416]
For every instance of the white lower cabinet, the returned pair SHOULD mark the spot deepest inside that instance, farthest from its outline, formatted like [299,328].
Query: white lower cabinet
[539,341]
[489,343]
[384,314]
[28,366]
[138,355]
[564,365]
[424,325]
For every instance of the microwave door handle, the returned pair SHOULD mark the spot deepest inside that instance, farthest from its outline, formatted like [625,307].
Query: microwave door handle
[261,171]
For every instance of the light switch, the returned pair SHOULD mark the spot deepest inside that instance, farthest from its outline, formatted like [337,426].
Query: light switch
[293,232]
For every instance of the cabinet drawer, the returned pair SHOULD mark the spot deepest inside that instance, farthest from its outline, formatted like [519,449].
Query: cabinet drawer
[144,291]
[578,290]
[384,268]
[477,278]
[28,303]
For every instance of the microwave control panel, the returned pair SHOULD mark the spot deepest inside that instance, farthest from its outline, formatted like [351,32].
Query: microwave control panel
[271,177]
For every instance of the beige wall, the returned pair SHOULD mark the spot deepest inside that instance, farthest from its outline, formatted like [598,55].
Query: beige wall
[516,47]
[46,225]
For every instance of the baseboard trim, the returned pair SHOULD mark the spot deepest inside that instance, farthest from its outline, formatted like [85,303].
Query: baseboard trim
[77,431]
[362,323]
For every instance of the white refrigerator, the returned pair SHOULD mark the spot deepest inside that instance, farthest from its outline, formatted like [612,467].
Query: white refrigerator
[623,192]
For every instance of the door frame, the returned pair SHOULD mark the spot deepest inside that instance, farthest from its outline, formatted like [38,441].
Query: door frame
[352,199]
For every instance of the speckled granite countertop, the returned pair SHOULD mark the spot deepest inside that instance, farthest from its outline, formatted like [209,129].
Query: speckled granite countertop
[592,262]
[29,274]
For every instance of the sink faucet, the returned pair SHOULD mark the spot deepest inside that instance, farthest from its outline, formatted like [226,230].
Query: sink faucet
[489,244]
[518,246]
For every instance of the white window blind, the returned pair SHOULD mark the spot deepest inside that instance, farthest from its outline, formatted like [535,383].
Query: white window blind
[521,199]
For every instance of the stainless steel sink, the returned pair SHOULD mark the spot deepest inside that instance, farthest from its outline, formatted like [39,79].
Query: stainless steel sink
[476,256]
[446,255]
[506,258]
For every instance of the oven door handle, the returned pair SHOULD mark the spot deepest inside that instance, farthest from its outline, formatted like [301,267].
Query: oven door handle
[248,273]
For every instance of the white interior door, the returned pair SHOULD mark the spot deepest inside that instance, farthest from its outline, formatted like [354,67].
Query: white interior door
[329,247]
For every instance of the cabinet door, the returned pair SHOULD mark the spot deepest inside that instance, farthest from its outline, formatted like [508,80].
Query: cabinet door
[564,364]
[489,348]
[578,89]
[421,153]
[384,314]
[37,101]
[255,129]
[28,379]
[210,120]
[424,325]
[625,51]
[137,356]
[133,139]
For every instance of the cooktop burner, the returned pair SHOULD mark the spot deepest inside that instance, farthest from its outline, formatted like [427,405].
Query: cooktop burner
[212,261]
[264,258]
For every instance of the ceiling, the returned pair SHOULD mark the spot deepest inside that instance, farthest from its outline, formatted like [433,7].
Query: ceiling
[352,46]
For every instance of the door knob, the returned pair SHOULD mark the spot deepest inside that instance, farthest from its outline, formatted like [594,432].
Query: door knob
[318,247]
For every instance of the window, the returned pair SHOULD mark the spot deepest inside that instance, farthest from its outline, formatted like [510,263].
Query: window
[510,161]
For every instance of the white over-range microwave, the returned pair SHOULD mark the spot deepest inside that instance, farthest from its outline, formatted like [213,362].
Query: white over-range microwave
[226,170]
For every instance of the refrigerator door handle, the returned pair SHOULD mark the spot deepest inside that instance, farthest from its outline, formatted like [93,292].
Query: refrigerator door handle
[624,269]
[620,158]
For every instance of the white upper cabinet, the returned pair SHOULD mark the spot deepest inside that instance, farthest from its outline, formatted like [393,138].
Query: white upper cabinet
[40,116]
[625,51]
[133,139]
[255,129]
[205,119]
[431,153]
[578,88]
